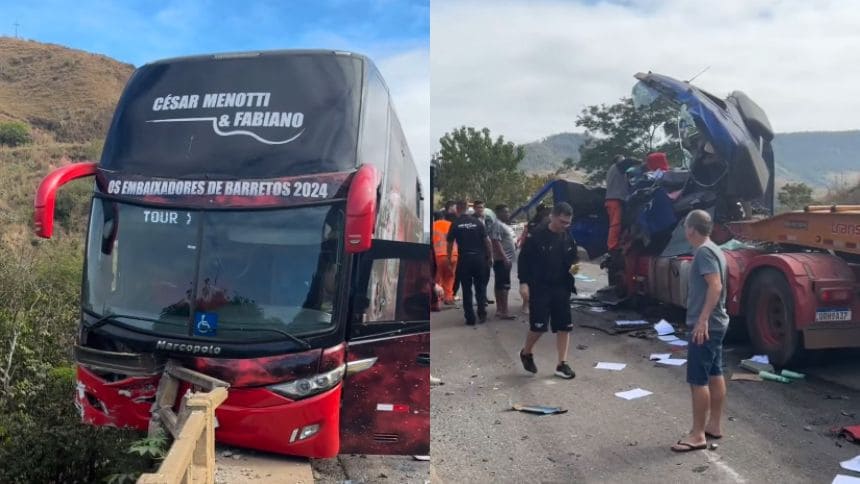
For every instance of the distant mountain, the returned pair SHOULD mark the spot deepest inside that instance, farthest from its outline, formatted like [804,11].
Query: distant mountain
[814,157]
[547,155]
[817,157]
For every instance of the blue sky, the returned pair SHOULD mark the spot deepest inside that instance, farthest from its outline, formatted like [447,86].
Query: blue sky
[137,32]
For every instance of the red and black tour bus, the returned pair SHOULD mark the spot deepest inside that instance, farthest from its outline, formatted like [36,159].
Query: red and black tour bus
[257,218]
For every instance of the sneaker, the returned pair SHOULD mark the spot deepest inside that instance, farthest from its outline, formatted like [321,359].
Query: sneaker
[470,323]
[564,371]
[528,362]
[482,318]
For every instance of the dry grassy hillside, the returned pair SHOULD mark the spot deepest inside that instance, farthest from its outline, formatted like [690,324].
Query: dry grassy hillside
[68,95]
[67,98]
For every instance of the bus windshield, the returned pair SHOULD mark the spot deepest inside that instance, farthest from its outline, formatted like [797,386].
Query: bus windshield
[249,274]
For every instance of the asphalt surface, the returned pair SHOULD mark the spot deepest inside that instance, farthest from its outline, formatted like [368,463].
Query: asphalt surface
[773,432]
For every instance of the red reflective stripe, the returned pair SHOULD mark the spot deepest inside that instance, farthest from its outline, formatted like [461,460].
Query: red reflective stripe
[399,407]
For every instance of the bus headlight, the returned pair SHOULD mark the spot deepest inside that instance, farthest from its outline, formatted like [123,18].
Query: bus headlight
[305,387]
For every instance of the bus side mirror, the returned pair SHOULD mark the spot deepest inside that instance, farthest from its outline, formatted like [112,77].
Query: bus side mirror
[361,209]
[46,195]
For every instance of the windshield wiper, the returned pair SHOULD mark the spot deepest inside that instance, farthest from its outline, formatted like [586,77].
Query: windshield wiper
[107,319]
[296,339]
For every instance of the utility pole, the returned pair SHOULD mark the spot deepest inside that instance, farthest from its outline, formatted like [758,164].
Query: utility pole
[16,24]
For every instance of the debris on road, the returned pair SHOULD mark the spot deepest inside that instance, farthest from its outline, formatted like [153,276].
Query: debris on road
[851,464]
[538,409]
[659,356]
[836,397]
[582,347]
[435,381]
[584,278]
[667,338]
[851,433]
[766,375]
[756,366]
[792,375]
[633,394]
[672,361]
[597,309]
[421,457]
[663,328]
[678,342]
[630,323]
[745,377]
[843,479]
[602,365]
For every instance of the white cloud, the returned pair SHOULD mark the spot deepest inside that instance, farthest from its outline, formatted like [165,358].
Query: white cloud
[526,70]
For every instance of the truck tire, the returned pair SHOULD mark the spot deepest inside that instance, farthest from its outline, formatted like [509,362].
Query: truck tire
[770,318]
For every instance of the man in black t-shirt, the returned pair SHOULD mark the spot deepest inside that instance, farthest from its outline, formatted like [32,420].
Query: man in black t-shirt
[547,265]
[475,258]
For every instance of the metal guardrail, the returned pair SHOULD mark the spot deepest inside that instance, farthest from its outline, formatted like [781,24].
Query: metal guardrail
[191,458]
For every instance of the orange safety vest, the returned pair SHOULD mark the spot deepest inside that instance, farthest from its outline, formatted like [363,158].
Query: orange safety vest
[440,238]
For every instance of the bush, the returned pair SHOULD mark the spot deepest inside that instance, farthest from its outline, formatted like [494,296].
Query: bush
[14,134]
[45,440]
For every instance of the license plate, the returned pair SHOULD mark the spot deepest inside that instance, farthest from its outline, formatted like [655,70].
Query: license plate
[824,315]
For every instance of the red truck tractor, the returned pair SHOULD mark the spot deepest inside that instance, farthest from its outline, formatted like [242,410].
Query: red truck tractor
[793,278]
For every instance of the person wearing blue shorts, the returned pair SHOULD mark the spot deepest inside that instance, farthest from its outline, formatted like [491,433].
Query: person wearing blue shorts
[707,321]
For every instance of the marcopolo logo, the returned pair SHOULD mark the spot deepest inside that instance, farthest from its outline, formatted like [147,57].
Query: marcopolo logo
[188,348]
[246,110]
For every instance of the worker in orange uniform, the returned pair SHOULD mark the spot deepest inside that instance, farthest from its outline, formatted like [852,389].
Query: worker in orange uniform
[444,271]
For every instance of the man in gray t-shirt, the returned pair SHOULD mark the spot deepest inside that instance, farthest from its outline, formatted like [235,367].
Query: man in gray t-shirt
[504,252]
[707,322]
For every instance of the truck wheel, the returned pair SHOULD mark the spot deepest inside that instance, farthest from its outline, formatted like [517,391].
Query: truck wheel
[770,318]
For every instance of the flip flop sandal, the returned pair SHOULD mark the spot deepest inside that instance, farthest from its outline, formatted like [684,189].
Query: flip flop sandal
[689,447]
[712,436]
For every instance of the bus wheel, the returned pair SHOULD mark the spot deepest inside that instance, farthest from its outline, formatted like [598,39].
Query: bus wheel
[770,318]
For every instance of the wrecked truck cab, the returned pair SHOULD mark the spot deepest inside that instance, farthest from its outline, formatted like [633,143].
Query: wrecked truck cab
[728,140]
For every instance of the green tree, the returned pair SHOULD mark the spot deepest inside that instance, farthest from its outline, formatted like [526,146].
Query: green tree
[14,134]
[473,165]
[794,196]
[622,129]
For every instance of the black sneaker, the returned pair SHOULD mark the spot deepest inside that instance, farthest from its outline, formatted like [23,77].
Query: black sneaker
[470,323]
[482,318]
[528,362]
[564,371]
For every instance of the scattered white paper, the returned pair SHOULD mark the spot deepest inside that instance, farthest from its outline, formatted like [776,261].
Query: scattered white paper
[852,464]
[760,359]
[664,328]
[597,310]
[667,337]
[624,322]
[843,479]
[672,361]
[631,394]
[610,366]
[659,356]
[678,342]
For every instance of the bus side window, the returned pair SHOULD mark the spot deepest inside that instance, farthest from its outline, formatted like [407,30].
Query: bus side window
[382,290]
[399,290]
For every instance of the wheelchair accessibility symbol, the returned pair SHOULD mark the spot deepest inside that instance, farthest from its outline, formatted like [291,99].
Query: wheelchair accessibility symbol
[205,324]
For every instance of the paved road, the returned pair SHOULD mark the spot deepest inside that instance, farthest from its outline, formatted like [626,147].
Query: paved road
[774,432]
